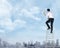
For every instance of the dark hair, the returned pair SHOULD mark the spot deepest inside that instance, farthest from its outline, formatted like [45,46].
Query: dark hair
[48,9]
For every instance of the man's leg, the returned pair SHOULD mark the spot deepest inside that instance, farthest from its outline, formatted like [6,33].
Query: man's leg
[52,20]
[47,23]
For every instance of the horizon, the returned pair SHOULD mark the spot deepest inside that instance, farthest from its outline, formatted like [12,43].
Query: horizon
[31,42]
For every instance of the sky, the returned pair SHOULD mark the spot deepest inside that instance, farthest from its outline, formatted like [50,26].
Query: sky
[23,20]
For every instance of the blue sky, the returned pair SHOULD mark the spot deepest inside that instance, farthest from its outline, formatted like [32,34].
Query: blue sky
[22,20]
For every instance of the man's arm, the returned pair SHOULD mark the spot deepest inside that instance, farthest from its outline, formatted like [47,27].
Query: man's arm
[44,13]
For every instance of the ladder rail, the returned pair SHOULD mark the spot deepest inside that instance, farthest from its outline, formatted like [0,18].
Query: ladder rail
[49,38]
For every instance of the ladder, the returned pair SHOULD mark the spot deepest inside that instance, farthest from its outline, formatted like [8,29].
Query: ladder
[49,39]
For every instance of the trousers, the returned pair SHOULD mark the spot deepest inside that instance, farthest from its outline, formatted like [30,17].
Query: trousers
[50,20]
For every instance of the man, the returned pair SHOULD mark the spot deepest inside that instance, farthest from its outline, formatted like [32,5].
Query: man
[50,20]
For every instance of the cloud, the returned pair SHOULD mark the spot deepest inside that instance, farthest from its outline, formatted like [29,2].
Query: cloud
[25,8]
[6,24]
[2,31]
[31,13]
[19,23]
[35,10]
[5,8]
[5,17]
[9,26]
[28,10]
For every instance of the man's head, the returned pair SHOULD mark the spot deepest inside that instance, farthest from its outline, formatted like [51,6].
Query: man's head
[48,10]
